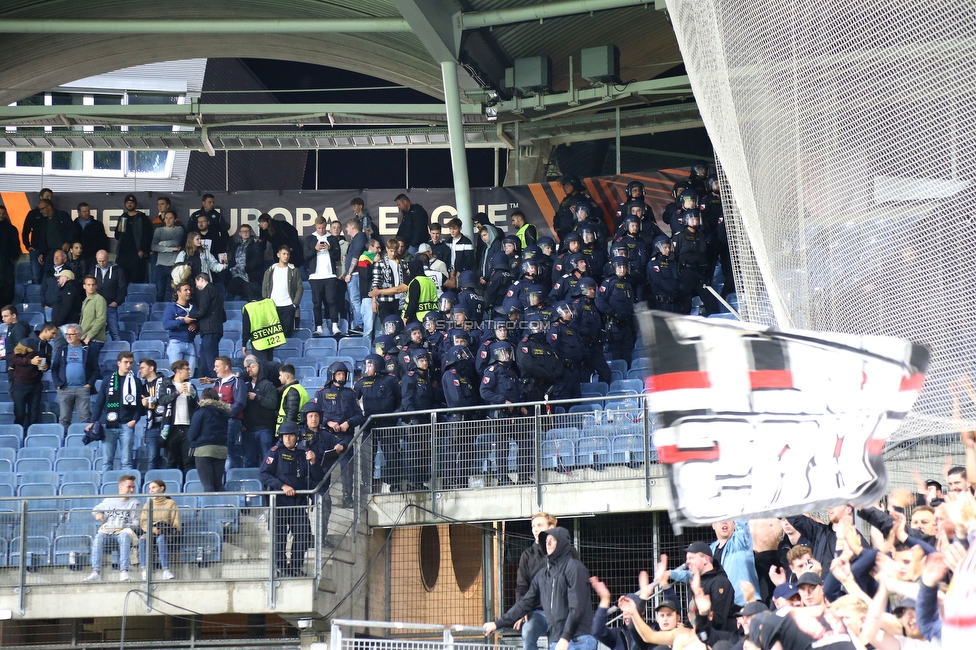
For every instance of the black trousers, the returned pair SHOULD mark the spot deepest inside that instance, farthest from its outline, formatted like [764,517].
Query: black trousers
[291,516]
[211,471]
[386,308]
[286,315]
[328,297]
[27,403]
[177,447]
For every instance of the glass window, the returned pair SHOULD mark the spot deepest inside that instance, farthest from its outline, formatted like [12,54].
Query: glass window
[67,99]
[30,158]
[67,160]
[3,159]
[33,100]
[108,160]
[148,162]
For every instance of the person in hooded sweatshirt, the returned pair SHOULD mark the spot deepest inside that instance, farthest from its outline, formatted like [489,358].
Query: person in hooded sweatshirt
[562,590]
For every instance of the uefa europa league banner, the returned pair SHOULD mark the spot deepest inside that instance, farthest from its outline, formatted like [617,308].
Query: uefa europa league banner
[538,201]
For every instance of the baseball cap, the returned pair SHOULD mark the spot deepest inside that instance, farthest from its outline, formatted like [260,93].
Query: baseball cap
[809,578]
[699,547]
[670,604]
[933,483]
[423,248]
[751,609]
[129,197]
[288,427]
[67,273]
[785,590]
[906,603]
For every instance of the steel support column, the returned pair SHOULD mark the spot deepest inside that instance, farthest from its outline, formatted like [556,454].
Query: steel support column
[455,134]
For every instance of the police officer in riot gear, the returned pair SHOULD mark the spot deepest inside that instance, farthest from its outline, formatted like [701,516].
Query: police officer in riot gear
[340,415]
[470,299]
[500,386]
[588,323]
[416,340]
[615,300]
[713,217]
[570,348]
[498,282]
[460,386]
[499,332]
[290,469]
[577,266]
[419,391]
[379,394]
[662,278]
[596,253]
[668,215]
[689,254]
[539,308]
[543,264]
[687,206]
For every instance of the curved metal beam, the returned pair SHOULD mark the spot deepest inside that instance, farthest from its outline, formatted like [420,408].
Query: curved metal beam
[170,26]
[479,19]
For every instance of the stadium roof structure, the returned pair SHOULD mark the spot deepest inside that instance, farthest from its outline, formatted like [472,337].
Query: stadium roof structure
[47,43]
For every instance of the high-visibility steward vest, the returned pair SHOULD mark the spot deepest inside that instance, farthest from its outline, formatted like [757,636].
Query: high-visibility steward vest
[427,300]
[281,409]
[521,234]
[266,330]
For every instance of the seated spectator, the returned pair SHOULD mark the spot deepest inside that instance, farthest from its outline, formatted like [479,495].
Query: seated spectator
[118,518]
[165,528]
[77,263]
[208,439]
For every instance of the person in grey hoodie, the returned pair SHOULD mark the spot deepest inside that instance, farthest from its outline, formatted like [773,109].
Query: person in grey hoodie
[167,242]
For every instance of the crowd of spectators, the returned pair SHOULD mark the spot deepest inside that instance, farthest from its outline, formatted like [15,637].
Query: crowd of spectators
[785,584]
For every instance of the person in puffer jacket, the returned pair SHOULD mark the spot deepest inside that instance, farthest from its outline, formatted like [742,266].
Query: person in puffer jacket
[208,440]
[562,590]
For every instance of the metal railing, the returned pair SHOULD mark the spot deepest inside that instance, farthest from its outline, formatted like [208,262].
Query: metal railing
[530,443]
[226,536]
[410,636]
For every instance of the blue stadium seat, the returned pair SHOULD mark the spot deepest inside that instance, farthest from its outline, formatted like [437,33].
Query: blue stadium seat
[192,475]
[72,544]
[628,449]
[82,476]
[140,287]
[156,313]
[635,385]
[62,465]
[246,485]
[141,349]
[241,473]
[619,365]
[77,488]
[136,297]
[321,356]
[352,342]
[593,451]
[234,305]
[201,545]
[111,477]
[585,408]
[26,465]
[38,551]
[594,388]
[153,326]
[8,441]
[301,333]
[567,433]
[357,353]
[43,439]
[76,452]
[132,322]
[133,307]
[153,336]
[165,474]
[306,371]
[76,440]
[323,343]
[311,384]
[192,486]
[640,363]
[559,455]
[10,429]
[637,373]
[222,511]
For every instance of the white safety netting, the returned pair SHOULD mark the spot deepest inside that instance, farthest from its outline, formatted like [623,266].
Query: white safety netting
[846,133]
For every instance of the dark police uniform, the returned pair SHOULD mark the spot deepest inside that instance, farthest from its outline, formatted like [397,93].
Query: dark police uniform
[662,280]
[569,347]
[418,392]
[689,254]
[615,299]
[460,389]
[285,466]
[338,404]
[500,383]
[589,325]
[380,395]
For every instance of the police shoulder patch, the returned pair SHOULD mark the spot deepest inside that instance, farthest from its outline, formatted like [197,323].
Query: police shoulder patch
[603,287]
[486,379]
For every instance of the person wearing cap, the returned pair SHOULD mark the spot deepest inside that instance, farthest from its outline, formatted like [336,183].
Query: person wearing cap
[413,223]
[290,469]
[733,551]
[714,583]
[134,233]
[810,586]
[436,269]
[50,285]
[626,636]
[786,595]
[562,591]
[67,306]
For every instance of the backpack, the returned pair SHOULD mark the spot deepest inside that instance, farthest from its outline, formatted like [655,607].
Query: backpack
[537,360]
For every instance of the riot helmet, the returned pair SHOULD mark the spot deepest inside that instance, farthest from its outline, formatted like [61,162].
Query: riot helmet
[635,190]
[421,355]
[688,199]
[535,294]
[392,325]
[620,262]
[567,311]
[502,351]
[335,368]
[374,362]
[661,243]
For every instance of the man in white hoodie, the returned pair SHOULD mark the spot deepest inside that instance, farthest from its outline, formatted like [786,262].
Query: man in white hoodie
[118,516]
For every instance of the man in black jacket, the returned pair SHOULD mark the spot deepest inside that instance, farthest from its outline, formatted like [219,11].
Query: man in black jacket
[112,286]
[210,315]
[17,331]
[715,583]
[258,423]
[357,245]
[533,560]
[824,536]
[414,221]
[67,306]
[563,592]
[134,233]
[9,256]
